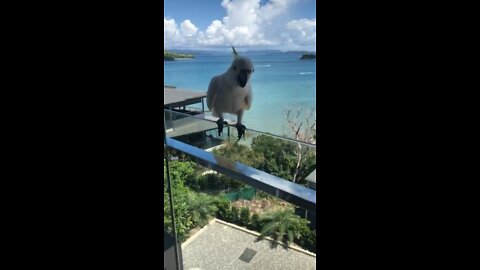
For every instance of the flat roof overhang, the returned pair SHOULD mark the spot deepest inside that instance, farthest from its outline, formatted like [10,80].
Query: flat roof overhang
[176,97]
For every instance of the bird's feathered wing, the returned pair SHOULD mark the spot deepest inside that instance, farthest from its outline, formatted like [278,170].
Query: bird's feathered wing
[211,93]
[248,100]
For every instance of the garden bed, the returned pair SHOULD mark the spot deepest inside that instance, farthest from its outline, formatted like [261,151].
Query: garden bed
[260,206]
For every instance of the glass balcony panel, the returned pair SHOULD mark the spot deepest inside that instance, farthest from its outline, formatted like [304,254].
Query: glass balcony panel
[254,149]
[219,221]
[263,173]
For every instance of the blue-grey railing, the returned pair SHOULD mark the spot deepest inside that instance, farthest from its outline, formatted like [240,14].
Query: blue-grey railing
[307,144]
[279,187]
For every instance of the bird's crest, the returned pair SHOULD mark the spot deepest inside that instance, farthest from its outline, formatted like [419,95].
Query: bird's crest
[235,54]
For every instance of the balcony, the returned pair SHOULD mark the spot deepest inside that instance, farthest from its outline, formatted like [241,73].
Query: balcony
[219,200]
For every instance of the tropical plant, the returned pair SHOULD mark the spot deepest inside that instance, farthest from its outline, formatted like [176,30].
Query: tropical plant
[202,207]
[283,226]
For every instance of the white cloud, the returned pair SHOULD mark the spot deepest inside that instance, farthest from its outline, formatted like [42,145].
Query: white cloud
[303,31]
[247,23]
[241,13]
[214,28]
[169,29]
[188,29]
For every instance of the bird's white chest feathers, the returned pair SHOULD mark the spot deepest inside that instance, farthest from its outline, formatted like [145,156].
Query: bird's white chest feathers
[231,100]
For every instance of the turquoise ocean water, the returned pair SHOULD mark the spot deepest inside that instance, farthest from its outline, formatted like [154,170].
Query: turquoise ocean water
[281,81]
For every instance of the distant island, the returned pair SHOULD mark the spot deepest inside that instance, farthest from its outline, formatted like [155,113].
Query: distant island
[300,52]
[308,56]
[171,56]
[263,51]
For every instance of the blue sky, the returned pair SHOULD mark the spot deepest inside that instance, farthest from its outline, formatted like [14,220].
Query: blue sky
[253,24]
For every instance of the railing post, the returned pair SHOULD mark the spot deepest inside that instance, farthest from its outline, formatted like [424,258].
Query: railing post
[177,248]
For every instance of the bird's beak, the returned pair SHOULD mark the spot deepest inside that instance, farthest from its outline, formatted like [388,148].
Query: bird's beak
[242,78]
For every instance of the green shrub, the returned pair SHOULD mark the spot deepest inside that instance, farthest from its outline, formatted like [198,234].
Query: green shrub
[235,215]
[241,153]
[308,239]
[311,241]
[255,223]
[280,157]
[271,155]
[217,181]
[214,181]
[224,209]
[182,213]
[182,171]
[197,183]
[244,216]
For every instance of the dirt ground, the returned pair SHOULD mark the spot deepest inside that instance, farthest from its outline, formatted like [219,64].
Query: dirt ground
[260,205]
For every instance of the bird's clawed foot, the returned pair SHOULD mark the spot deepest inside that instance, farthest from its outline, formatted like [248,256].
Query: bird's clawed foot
[241,131]
[220,123]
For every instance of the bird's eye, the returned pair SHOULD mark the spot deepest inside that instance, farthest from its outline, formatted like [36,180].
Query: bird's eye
[234,68]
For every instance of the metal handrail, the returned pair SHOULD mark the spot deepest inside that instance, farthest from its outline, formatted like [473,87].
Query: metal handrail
[279,187]
[256,131]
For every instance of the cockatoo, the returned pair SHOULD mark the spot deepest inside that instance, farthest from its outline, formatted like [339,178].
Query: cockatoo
[231,92]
